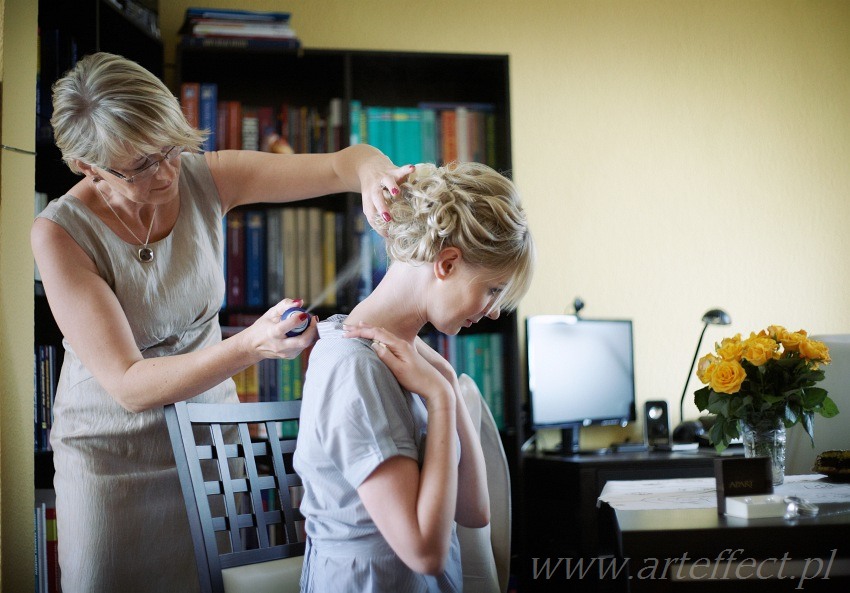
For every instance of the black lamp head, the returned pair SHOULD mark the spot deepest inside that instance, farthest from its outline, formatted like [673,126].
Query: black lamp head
[716,317]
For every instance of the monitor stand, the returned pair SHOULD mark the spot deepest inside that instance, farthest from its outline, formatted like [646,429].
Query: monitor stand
[570,444]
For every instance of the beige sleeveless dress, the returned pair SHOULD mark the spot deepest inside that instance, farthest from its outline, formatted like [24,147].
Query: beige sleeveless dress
[121,519]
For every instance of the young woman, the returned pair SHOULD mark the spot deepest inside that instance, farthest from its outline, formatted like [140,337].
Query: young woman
[386,449]
[131,261]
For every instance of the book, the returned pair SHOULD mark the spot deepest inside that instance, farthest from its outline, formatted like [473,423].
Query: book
[329,254]
[257,43]
[255,258]
[379,130]
[190,97]
[274,255]
[315,254]
[230,14]
[250,128]
[291,253]
[208,114]
[233,119]
[355,117]
[407,135]
[235,258]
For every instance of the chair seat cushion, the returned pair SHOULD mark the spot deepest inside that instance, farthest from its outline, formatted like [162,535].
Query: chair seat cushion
[275,576]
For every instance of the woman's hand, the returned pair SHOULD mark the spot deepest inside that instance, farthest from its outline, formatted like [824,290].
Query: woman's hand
[410,368]
[380,179]
[268,334]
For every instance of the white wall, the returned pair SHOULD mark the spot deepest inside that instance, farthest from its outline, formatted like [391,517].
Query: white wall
[674,155]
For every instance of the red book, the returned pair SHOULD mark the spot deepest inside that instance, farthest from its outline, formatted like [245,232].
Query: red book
[190,93]
[234,125]
[448,121]
[235,259]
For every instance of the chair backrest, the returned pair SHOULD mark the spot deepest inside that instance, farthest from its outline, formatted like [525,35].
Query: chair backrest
[241,491]
[830,433]
[486,552]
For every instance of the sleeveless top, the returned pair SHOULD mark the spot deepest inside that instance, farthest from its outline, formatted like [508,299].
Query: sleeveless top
[120,514]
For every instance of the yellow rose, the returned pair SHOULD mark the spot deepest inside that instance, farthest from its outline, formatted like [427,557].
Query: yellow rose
[791,340]
[727,377]
[706,367]
[814,350]
[758,349]
[730,348]
[776,332]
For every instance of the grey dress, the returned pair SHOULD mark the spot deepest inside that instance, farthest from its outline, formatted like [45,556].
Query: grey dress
[120,514]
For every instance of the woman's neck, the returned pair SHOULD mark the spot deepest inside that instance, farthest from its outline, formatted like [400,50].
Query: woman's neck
[397,304]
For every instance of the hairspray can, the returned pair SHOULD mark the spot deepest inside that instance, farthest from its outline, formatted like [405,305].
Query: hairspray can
[298,329]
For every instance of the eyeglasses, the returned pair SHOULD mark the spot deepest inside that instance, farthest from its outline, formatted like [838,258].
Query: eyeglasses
[150,166]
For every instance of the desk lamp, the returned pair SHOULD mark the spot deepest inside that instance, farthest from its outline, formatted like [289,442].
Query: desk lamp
[688,432]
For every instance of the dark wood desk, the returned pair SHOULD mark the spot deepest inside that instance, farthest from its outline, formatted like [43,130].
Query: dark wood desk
[559,517]
[695,545]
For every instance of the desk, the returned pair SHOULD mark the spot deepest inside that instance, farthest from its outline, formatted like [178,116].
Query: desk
[559,514]
[692,548]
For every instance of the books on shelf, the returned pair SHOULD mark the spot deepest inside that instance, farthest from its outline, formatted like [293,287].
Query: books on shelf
[248,29]
[279,252]
[48,361]
[478,355]
[428,133]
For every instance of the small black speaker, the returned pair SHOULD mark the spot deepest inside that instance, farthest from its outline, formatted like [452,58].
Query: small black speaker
[656,423]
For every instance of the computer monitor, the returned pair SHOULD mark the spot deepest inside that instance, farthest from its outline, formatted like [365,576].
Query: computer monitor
[580,372]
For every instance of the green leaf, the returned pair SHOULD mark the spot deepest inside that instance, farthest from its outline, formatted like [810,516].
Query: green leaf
[828,408]
[809,425]
[813,397]
[701,398]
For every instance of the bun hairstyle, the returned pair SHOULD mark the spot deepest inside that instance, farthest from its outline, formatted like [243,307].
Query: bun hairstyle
[468,206]
[108,108]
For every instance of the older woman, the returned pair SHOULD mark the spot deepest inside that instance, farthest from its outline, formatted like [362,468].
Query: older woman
[131,261]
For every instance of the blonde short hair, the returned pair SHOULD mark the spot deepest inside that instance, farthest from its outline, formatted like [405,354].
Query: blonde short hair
[108,108]
[468,206]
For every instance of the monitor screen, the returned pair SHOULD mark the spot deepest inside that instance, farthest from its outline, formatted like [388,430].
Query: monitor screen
[580,371]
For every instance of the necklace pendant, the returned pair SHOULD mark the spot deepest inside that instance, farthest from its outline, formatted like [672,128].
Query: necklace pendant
[146,255]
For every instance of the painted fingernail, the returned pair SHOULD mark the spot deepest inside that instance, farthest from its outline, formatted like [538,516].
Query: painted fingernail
[298,301]
[302,316]
[386,216]
[394,191]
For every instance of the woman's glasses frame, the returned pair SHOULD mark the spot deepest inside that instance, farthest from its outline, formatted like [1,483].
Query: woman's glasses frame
[149,170]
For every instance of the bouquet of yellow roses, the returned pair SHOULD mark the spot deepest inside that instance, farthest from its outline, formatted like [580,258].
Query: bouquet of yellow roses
[770,376]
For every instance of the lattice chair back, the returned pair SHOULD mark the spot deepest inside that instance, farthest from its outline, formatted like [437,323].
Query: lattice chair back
[241,491]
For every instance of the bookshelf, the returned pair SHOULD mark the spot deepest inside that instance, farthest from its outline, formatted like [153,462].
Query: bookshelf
[319,81]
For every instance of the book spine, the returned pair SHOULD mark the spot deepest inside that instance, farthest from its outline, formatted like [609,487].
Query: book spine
[329,251]
[355,113]
[208,114]
[234,125]
[243,43]
[255,258]
[236,258]
[274,255]
[190,94]
[315,254]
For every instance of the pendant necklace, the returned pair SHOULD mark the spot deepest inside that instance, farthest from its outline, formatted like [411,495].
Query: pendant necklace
[145,253]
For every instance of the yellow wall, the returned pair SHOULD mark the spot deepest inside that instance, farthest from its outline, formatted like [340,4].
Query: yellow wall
[17,172]
[674,155]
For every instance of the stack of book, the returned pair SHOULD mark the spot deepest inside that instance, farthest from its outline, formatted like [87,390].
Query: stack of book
[243,29]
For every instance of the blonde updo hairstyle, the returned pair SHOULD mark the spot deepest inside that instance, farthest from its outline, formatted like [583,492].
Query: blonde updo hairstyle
[109,109]
[468,206]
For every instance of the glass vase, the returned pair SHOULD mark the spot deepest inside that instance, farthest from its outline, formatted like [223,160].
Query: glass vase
[766,439]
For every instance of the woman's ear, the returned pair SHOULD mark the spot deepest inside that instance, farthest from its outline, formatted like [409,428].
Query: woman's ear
[447,262]
[86,169]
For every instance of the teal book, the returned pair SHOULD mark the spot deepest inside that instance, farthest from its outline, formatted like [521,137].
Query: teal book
[407,131]
[428,136]
[355,114]
[379,130]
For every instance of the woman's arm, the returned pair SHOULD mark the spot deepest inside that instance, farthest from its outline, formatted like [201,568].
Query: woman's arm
[92,320]
[473,498]
[414,509]
[247,177]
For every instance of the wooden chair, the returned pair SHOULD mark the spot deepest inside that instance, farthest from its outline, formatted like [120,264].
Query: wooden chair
[241,493]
